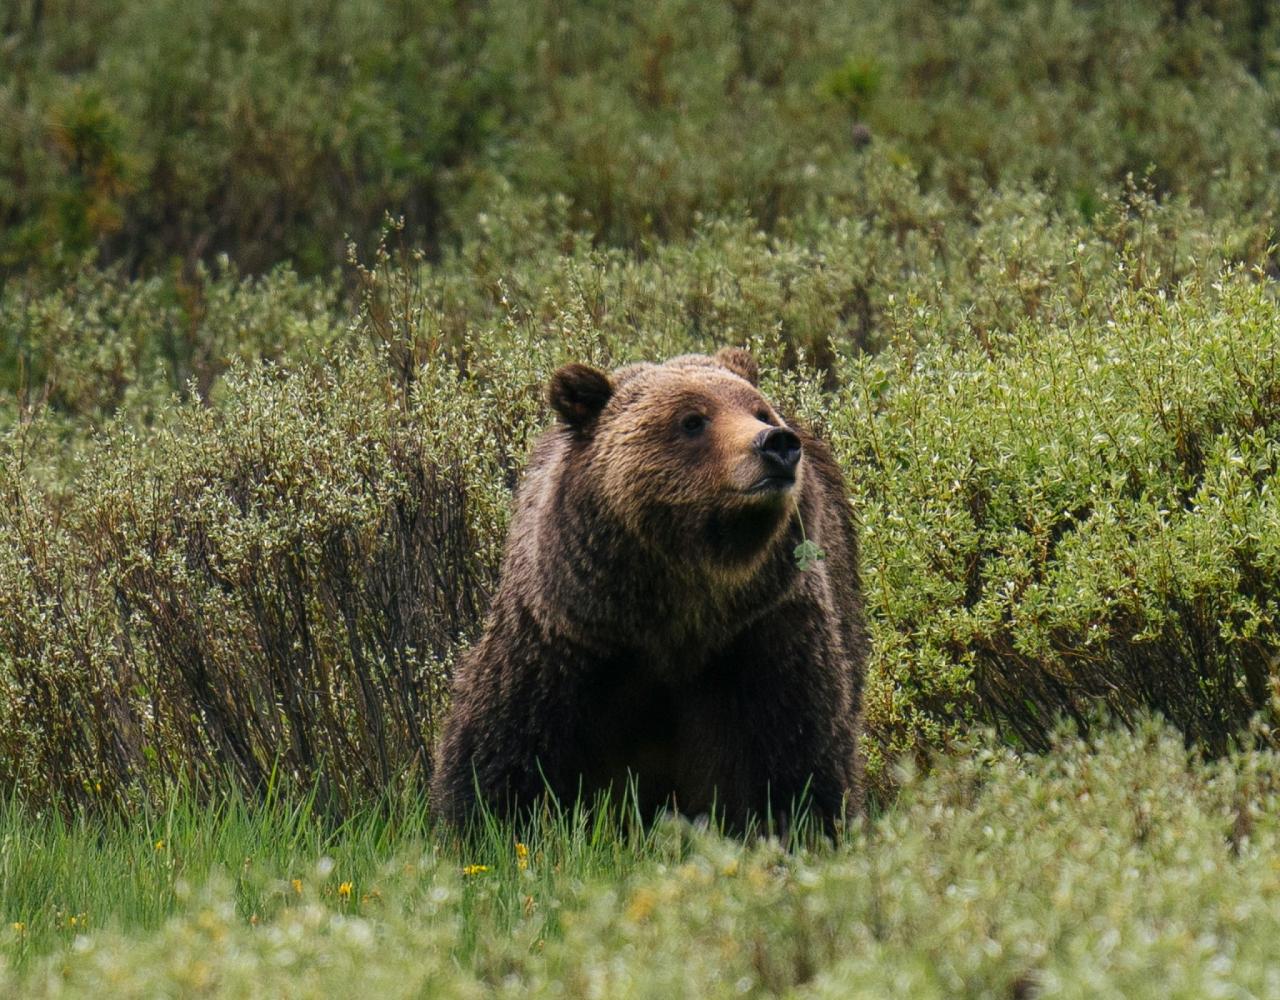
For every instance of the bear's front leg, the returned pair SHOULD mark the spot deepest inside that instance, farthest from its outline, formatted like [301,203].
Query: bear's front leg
[504,745]
[786,688]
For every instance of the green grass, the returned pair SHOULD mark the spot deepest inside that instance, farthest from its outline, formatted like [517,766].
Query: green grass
[1122,866]
[60,877]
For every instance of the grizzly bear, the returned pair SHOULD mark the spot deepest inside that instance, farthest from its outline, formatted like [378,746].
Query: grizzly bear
[653,623]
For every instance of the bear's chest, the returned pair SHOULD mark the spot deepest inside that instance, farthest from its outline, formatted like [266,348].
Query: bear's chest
[666,740]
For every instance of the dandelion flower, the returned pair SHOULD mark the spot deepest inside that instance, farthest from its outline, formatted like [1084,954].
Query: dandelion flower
[160,845]
[475,869]
[344,891]
[297,886]
[522,856]
[642,905]
[19,926]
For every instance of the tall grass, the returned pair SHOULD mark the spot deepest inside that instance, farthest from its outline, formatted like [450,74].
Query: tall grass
[1119,866]
[64,877]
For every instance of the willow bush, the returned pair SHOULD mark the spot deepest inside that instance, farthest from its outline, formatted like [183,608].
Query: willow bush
[1087,514]
[103,347]
[270,589]
[1054,517]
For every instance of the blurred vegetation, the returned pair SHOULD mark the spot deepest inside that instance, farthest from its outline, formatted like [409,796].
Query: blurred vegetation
[281,284]
[154,135]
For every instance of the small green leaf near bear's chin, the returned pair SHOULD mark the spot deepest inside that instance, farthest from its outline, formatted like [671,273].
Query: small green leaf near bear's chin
[807,553]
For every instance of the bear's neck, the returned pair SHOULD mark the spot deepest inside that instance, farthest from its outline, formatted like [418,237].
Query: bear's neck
[611,588]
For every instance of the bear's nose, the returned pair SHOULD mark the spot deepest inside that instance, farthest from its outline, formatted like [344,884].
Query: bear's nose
[779,448]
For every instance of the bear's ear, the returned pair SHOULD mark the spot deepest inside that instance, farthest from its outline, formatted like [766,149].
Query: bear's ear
[578,393]
[739,362]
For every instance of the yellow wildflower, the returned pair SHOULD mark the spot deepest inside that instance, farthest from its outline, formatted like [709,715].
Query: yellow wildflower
[159,845]
[344,891]
[642,904]
[475,869]
[297,886]
[19,926]
[522,856]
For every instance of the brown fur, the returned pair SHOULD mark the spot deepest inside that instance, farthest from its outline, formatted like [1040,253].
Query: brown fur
[651,619]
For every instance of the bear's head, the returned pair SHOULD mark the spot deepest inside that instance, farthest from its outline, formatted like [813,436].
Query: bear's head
[687,456]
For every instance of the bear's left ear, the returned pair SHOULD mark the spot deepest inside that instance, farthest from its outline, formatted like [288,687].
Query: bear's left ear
[739,362]
[578,393]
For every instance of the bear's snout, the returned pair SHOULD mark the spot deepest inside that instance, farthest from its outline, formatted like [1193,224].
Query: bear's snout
[779,449]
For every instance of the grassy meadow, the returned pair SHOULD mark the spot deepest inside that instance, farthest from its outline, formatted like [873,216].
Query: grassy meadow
[280,286]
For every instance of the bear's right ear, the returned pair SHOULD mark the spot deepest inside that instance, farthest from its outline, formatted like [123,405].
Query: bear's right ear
[739,362]
[578,393]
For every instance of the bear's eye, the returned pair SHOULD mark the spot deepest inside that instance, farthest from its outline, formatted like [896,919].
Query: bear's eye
[693,424]
[763,416]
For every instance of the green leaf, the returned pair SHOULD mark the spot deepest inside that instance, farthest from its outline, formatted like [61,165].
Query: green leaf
[807,553]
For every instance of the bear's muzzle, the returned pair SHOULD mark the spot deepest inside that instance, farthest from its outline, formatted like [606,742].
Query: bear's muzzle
[779,450]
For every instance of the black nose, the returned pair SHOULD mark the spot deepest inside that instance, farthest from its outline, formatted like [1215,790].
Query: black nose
[780,449]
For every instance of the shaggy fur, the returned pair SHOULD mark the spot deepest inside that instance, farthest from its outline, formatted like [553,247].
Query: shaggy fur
[651,620]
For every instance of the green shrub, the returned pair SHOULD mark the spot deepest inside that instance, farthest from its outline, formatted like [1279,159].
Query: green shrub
[1054,515]
[66,712]
[277,583]
[246,128]
[102,345]
[1085,514]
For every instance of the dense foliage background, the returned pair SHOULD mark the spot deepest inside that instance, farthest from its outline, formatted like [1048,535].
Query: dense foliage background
[260,435]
